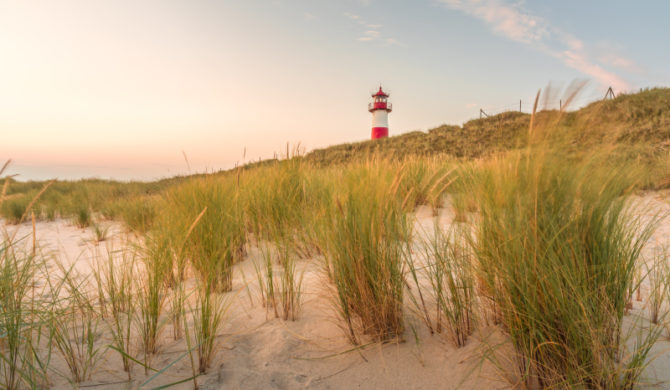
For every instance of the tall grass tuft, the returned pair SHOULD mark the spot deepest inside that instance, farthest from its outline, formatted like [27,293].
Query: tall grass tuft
[138,213]
[152,291]
[83,216]
[74,324]
[282,221]
[279,284]
[450,271]
[557,243]
[207,318]
[217,241]
[658,276]
[20,318]
[22,310]
[13,208]
[366,238]
[114,275]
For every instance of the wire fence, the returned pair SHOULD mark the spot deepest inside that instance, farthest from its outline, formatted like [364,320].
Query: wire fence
[546,103]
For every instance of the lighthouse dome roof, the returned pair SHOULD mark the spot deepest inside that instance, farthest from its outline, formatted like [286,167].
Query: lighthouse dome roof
[380,93]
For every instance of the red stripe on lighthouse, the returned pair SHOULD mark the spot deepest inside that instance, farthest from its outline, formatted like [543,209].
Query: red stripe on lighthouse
[380,132]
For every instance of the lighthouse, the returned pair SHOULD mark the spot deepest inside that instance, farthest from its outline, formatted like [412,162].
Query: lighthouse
[380,108]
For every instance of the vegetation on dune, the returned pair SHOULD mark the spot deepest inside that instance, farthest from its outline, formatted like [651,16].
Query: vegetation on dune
[68,199]
[556,243]
[365,242]
[217,241]
[639,121]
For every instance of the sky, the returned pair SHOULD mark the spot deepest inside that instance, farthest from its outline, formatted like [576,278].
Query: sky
[142,90]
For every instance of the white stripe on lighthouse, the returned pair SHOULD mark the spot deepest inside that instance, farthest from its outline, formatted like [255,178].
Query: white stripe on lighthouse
[380,118]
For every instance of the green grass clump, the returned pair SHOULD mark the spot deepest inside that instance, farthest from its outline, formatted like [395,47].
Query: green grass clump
[366,236]
[138,213]
[217,240]
[152,291]
[282,222]
[74,324]
[13,209]
[114,275]
[83,217]
[556,243]
[20,318]
[449,268]
[207,318]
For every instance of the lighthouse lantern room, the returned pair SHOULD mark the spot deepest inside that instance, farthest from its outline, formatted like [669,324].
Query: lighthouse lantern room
[380,108]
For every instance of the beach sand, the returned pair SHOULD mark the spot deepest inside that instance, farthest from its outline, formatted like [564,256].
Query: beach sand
[258,351]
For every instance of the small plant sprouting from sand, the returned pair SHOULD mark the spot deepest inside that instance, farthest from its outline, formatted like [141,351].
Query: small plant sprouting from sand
[449,268]
[74,324]
[114,276]
[279,285]
[658,277]
[207,318]
[266,279]
[100,232]
[151,289]
[83,216]
[291,288]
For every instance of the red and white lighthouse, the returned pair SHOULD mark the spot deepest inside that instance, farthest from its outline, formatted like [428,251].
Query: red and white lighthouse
[380,108]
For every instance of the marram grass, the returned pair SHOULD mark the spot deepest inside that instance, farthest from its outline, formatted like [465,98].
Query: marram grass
[367,234]
[556,243]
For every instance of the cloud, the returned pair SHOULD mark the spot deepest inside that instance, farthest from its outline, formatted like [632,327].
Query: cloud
[372,32]
[352,16]
[579,62]
[393,42]
[308,16]
[621,63]
[519,25]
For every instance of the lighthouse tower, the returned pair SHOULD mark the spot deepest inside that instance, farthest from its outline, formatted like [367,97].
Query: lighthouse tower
[380,108]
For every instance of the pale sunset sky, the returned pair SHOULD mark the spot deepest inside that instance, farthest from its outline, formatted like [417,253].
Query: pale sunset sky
[120,89]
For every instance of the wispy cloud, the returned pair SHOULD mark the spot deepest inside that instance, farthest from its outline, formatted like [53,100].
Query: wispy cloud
[352,16]
[515,23]
[621,63]
[308,16]
[372,31]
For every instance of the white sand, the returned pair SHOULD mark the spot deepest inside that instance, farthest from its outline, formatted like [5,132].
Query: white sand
[259,352]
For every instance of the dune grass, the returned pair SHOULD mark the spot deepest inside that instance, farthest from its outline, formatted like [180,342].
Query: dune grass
[366,236]
[556,244]
[74,323]
[449,269]
[217,241]
[114,274]
[658,276]
[281,222]
[207,315]
[20,318]
[151,293]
